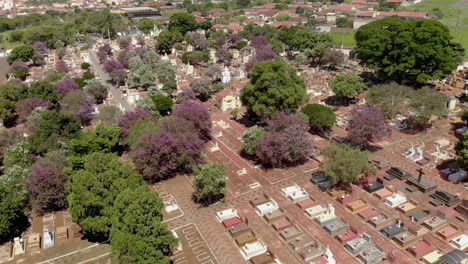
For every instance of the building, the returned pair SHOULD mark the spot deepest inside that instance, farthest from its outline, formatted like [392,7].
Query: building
[227,100]
[137,11]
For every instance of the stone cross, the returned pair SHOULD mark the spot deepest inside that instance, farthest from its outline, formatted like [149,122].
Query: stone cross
[421,173]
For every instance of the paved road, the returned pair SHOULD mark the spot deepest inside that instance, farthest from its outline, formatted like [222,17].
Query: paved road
[105,80]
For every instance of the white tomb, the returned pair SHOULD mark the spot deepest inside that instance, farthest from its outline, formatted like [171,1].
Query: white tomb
[329,214]
[251,250]
[460,242]
[18,246]
[226,76]
[170,206]
[226,214]
[329,256]
[266,208]
[314,211]
[48,238]
[395,200]
[295,193]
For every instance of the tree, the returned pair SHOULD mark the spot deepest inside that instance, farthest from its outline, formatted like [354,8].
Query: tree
[52,128]
[23,53]
[137,234]
[10,95]
[129,118]
[21,74]
[347,85]
[26,106]
[175,148]
[61,66]
[223,55]
[274,86]
[344,22]
[166,39]
[209,182]
[367,122]
[197,40]
[333,58]
[85,66]
[234,113]
[425,103]
[97,90]
[64,86]
[17,65]
[43,90]
[391,98]
[305,40]
[249,140]
[109,114]
[213,72]
[182,22]
[197,114]
[413,50]
[195,57]
[461,148]
[259,42]
[146,25]
[16,167]
[112,65]
[12,213]
[201,88]
[285,143]
[94,189]
[77,103]
[464,115]
[47,186]
[319,116]
[140,128]
[345,164]
[8,137]
[41,47]
[163,104]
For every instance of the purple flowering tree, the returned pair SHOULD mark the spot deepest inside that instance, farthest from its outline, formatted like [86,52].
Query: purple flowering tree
[129,118]
[234,37]
[220,42]
[261,54]
[26,106]
[185,95]
[259,42]
[112,65]
[64,86]
[47,186]
[79,104]
[367,122]
[40,47]
[286,142]
[123,57]
[175,148]
[17,65]
[197,114]
[61,66]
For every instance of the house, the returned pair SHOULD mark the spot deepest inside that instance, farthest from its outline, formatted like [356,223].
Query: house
[227,100]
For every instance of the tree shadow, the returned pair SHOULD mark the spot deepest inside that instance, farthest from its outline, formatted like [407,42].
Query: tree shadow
[22,223]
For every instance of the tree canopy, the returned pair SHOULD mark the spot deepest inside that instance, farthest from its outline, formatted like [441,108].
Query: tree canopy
[274,86]
[319,116]
[210,182]
[249,139]
[416,50]
[347,85]
[182,22]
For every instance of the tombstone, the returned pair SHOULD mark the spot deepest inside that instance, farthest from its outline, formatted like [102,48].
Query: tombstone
[235,54]
[134,40]
[242,74]
[190,69]
[245,59]
[165,57]
[331,208]
[226,76]
[213,58]
[174,62]
[329,256]
[173,51]
[189,48]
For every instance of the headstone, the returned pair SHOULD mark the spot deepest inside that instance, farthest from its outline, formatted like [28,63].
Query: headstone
[329,256]
[226,76]
[189,48]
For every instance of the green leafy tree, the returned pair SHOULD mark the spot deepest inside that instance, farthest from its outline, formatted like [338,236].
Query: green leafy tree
[21,74]
[461,149]
[274,86]
[93,190]
[140,128]
[12,213]
[10,95]
[85,66]
[166,39]
[163,104]
[347,85]
[425,103]
[319,116]
[24,53]
[464,116]
[137,234]
[109,114]
[43,90]
[414,50]
[146,24]
[390,98]
[345,164]
[210,182]
[249,139]
[182,22]
[344,22]
[304,39]
[53,128]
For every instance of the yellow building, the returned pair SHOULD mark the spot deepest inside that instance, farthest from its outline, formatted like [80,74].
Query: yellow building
[227,100]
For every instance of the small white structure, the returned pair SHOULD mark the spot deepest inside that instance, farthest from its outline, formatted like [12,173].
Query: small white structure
[411,151]
[266,208]
[329,214]
[251,250]
[226,76]
[189,69]
[314,211]
[48,238]
[329,256]
[295,193]
[170,206]
[460,242]
[18,246]
[179,244]
[189,48]
[226,214]
[395,200]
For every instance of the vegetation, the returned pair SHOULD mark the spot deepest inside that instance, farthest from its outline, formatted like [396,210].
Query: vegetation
[319,116]
[209,183]
[347,85]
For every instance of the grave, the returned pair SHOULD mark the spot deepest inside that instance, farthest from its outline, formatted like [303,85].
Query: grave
[455,256]
[282,224]
[265,258]
[406,238]
[399,173]
[61,233]
[408,208]
[232,222]
[336,193]
[251,250]
[317,179]
[295,193]
[239,229]
[347,235]
[310,251]
[445,197]
[226,214]
[457,177]
[244,238]
[359,244]
[372,255]
[449,232]
[265,208]
[395,199]
[335,226]
[460,242]
[434,223]
[384,193]
[357,206]
[379,162]
[420,249]
[374,186]
[303,241]
[18,246]
[291,233]
[393,230]
[6,252]
[326,216]
[432,257]
[315,211]
[368,213]
[380,221]
[306,203]
[274,216]
[423,184]
[48,239]
[420,216]
[259,200]
[34,243]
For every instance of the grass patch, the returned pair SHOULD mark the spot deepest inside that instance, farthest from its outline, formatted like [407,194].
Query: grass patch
[346,37]
[460,35]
